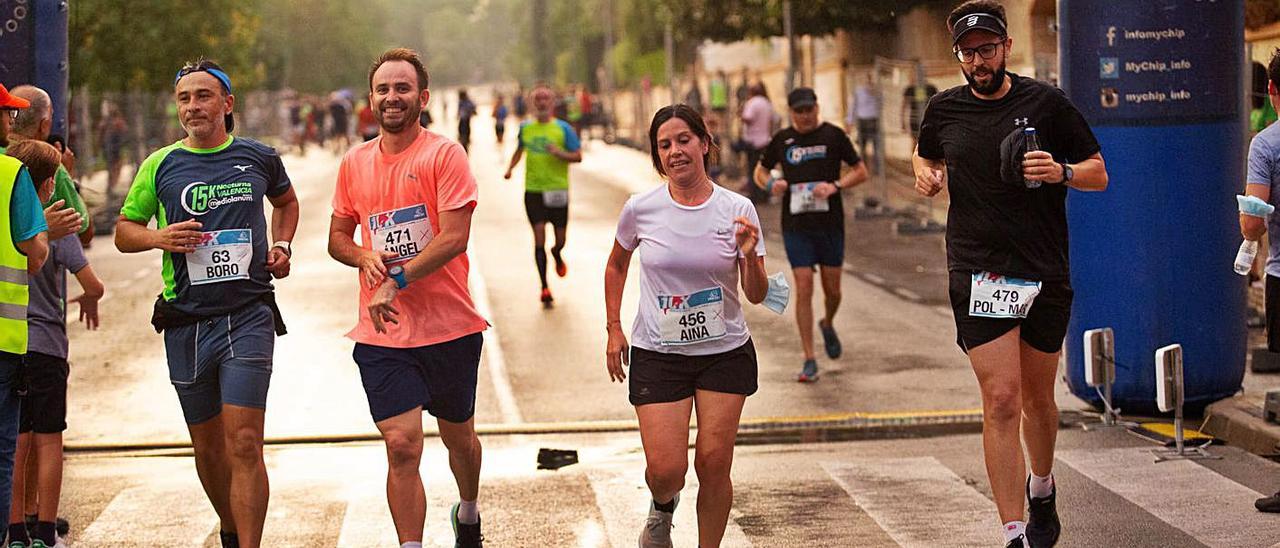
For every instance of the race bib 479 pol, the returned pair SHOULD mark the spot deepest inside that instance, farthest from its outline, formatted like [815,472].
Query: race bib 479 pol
[995,296]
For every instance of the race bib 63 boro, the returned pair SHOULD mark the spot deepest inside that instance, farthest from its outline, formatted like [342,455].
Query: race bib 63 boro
[221,255]
[694,318]
[405,231]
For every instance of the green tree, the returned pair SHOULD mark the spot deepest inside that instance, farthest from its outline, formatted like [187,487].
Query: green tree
[142,47]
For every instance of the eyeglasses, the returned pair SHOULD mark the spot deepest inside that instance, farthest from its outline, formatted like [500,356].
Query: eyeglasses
[12,113]
[986,51]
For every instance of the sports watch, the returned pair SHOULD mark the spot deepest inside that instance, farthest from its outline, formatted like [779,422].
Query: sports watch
[397,274]
[284,245]
[1067,174]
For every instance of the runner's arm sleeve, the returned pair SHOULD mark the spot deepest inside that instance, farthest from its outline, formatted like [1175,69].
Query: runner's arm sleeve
[26,217]
[455,185]
[627,235]
[847,153]
[929,146]
[748,210]
[342,206]
[772,154]
[571,142]
[1075,139]
[142,203]
[277,178]
[1261,169]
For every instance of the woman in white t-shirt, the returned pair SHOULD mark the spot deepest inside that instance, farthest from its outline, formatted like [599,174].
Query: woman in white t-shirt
[691,347]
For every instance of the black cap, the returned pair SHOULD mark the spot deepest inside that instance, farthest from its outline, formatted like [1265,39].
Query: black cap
[977,21]
[802,97]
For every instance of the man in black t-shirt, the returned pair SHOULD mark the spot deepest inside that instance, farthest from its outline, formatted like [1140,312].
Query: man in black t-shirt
[811,154]
[1007,251]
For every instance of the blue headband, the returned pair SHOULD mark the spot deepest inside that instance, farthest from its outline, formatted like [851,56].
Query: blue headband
[221,76]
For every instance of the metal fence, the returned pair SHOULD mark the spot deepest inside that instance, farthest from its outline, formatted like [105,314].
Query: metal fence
[132,125]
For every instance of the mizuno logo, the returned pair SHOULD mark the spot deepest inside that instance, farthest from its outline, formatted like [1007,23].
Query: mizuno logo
[242,168]
[972,20]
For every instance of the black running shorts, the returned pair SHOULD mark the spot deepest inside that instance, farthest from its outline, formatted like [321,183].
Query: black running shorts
[538,211]
[658,377]
[1044,328]
[44,408]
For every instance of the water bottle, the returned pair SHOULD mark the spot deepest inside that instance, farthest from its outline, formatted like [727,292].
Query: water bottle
[1244,258]
[1033,144]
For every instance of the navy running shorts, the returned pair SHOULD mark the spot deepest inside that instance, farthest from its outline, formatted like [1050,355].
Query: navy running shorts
[222,360]
[440,378]
[806,249]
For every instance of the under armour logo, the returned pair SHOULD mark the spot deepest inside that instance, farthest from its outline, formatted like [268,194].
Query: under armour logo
[1019,121]
[242,168]
[973,20]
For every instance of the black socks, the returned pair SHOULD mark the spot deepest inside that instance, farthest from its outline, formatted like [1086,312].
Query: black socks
[540,257]
[668,507]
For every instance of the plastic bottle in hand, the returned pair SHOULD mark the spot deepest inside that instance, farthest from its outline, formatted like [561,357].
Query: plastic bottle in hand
[1244,258]
[1033,145]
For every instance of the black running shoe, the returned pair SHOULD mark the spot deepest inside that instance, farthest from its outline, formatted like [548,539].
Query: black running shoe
[1268,504]
[1043,527]
[1020,542]
[830,340]
[466,535]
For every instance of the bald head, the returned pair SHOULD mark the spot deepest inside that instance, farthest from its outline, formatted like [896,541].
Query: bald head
[31,122]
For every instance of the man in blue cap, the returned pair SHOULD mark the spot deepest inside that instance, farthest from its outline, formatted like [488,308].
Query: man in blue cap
[217,310]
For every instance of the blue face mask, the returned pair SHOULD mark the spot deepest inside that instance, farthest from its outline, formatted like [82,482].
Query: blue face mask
[779,293]
[1253,205]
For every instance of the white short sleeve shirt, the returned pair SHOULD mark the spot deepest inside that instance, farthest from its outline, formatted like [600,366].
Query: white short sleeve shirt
[689,302]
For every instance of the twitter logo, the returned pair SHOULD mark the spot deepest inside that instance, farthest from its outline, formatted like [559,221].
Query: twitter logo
[1109,68]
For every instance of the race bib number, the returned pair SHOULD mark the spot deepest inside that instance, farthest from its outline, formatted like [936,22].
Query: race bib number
[405,232]
[803,200]
[555,198]
[221,256]
[689,319]
[996,296]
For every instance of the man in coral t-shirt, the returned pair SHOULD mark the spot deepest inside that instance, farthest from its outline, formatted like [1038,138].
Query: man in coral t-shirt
[418,337]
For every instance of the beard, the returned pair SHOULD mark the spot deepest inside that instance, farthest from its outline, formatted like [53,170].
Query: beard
[997,80]
[412,111]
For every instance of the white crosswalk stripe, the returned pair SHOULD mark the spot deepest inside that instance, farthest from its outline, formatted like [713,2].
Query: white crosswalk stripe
[908,501]
[911,497]
[623,500]
[176,515]
[367,520]
[1206,505]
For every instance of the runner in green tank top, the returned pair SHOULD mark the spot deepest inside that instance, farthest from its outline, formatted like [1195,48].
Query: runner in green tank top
[551,145]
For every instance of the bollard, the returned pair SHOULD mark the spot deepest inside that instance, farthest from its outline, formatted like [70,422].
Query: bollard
[1169,397]
[1100,373]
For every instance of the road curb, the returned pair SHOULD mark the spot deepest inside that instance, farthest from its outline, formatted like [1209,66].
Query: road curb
[755,431]
[1239,422]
